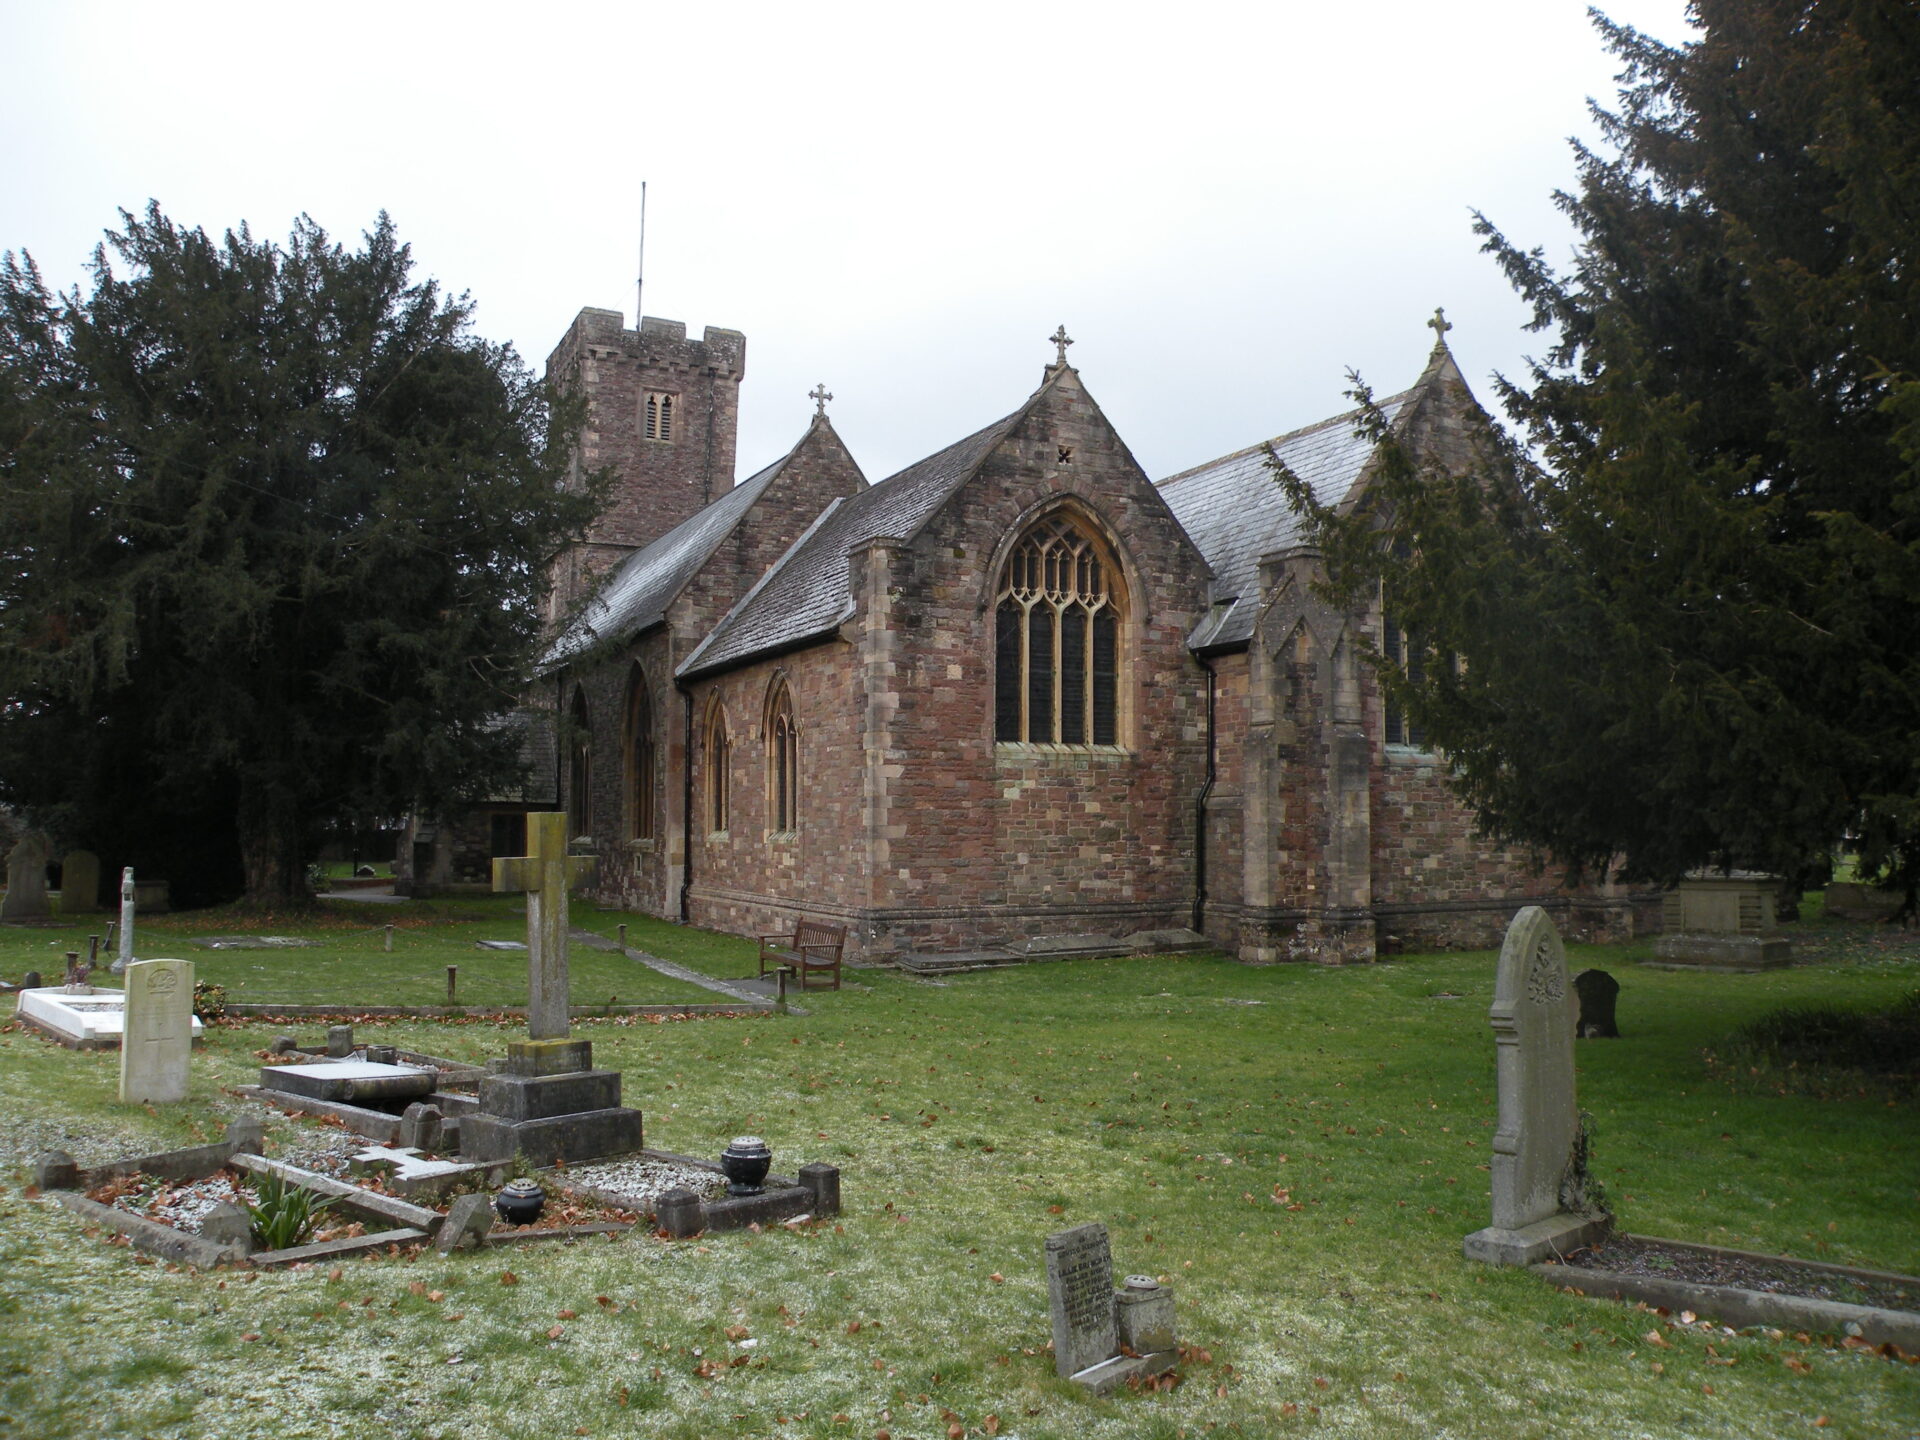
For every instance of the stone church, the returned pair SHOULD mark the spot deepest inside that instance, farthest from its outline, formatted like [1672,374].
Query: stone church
[1017,698]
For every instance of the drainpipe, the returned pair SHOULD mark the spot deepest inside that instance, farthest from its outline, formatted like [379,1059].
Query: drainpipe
[686,803]
[1200,805]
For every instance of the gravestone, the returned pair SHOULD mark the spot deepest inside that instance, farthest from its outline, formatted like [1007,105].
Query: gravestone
[1536,1147]
[1080,1298]
[339,1041]
[547,1103]
[1102,1339]
[158,1037]
[80,883]
[128,893]
[1599,992]
[546,873]
[26,897]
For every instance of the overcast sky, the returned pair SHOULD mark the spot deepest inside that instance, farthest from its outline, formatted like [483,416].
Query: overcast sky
[1227,206]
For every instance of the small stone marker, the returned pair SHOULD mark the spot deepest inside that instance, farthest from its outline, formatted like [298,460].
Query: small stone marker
[80,883]
[1080,1297]
[420,1127]
[1539,1128]
[56,1170]
[339,1041]
[1091,1323]
[26,897]
[546,873]
[468,1220]
[284,1044]
[127,894]
[157,1040]
[227,1225]
[678,1212]
[1598,992]
[247,1135]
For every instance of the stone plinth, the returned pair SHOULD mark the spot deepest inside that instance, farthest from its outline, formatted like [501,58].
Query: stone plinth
[1722,922]
[1724,952]
[549,1105]
[590,1135]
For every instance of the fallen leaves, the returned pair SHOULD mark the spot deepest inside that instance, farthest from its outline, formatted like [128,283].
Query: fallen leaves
[507,1277]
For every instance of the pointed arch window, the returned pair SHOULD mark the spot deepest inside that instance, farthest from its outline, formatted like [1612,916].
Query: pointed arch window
[1057,620]
[719,780]
[639,757]
[658,418]
[579,766]
[783,763]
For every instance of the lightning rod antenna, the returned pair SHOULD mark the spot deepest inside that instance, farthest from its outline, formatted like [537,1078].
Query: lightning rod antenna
[640,278]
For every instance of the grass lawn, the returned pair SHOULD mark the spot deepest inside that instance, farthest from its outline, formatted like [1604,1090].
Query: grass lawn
[1298,1150]
[352,966]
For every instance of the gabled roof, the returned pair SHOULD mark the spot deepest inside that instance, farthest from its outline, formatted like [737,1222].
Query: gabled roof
[642,586]
[806,596]
[1235,510]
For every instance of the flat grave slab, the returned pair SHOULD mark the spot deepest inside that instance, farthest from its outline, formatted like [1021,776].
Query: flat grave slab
[253,942]
[350,1080]
[88,1021]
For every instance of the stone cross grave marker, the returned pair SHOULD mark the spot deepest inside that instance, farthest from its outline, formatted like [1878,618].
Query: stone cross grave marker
[158,1036]
[80,883]
[545,874]
[26,879]
[126,919]
[1532,1016]
[1080,1297]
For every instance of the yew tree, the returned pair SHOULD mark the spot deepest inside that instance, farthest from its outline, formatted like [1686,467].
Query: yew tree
[1685,604]
[273,527]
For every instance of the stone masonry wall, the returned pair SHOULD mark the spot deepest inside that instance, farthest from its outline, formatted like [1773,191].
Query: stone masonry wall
[660,482]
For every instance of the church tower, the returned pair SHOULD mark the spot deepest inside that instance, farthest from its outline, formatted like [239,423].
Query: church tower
[662,412]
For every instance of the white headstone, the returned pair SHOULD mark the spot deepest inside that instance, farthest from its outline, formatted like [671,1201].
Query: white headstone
[158,1039]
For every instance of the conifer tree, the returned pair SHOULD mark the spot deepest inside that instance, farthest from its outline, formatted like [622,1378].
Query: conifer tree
[273,527]
[1686,616]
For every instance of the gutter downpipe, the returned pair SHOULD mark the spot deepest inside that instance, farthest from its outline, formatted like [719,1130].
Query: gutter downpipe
[686,802]
[1200,805]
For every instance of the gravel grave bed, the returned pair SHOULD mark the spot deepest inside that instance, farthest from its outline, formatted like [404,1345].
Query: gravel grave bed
[1633,1256]
[643,1181]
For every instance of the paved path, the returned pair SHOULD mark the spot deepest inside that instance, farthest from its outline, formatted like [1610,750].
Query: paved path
[758,994]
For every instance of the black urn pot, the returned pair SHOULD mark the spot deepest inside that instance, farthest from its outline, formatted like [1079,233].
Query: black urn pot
[745,1163]
[520,1202]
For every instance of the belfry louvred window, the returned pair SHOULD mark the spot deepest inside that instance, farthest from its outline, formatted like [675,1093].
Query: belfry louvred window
[1057,641]
[659,415]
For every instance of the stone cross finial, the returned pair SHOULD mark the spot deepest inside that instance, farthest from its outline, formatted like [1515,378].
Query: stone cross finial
[1060,340]
[819,394]
[1439,324]
[546,873]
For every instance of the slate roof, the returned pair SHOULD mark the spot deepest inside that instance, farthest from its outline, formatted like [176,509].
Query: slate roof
[1235,511]
[806,595]
[637,594]
[538,751]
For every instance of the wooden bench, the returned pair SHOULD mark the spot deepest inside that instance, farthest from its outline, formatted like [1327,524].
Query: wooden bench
[812,946]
